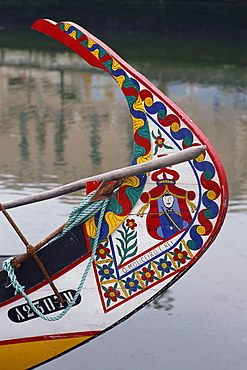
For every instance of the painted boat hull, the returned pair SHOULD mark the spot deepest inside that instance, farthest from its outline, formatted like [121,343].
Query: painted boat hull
[154,230]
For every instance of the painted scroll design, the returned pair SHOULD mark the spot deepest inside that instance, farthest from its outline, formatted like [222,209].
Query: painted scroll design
[131,189]
[121,281]
[116,282]
[166,258]
[186,137]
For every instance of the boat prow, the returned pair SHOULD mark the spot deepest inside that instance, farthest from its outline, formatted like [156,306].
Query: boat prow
[121,250]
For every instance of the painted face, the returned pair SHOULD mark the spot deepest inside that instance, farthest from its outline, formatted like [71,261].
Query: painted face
[168,200]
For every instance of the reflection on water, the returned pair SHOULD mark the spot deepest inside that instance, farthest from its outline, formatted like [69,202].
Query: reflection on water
[95,140]
[54,123]
[162,302]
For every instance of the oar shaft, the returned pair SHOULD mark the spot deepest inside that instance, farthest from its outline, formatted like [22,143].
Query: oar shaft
[169,160]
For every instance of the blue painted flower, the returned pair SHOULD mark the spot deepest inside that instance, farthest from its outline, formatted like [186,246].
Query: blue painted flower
[164,265]
[106,272]
[131,285]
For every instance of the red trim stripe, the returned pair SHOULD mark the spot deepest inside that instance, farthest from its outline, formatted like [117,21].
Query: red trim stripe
[49,337]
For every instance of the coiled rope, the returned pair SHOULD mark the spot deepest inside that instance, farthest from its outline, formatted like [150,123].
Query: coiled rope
[79,215]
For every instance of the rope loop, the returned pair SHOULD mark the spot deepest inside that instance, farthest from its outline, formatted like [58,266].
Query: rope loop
[79,215]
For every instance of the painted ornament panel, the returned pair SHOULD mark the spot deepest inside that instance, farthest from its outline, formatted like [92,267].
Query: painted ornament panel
[175,211]
[175,215]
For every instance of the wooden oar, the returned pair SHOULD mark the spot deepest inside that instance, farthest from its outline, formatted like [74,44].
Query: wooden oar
[169,160]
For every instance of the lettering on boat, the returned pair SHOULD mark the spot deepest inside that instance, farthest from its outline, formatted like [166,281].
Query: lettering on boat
[146,257]
[45,305]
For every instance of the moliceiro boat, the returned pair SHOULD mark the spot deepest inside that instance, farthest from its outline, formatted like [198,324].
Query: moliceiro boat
[138,230]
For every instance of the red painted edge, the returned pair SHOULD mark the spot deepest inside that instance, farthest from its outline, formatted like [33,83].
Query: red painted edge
[50,28]
[49,337]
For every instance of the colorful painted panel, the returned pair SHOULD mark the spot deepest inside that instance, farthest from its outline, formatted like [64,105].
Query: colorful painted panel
[159,224]
[176,216]
[132,188]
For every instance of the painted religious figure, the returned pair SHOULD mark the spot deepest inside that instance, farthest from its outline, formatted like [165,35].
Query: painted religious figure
[170,207]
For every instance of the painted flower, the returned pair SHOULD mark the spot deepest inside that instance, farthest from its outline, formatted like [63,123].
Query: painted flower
[112,294]
[102,251]
[164,265]
[132,285]
[159,141]
[131,223]
[180,256]
[147,275]
[106,272]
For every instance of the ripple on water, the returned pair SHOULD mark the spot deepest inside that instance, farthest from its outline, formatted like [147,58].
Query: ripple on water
[239,204]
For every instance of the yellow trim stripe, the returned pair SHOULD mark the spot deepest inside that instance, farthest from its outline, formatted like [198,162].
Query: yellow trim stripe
[24,355]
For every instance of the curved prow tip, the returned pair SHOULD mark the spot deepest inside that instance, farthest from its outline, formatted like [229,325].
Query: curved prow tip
[52,29]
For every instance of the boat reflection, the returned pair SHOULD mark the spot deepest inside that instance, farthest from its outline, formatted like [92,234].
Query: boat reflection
[163,302]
